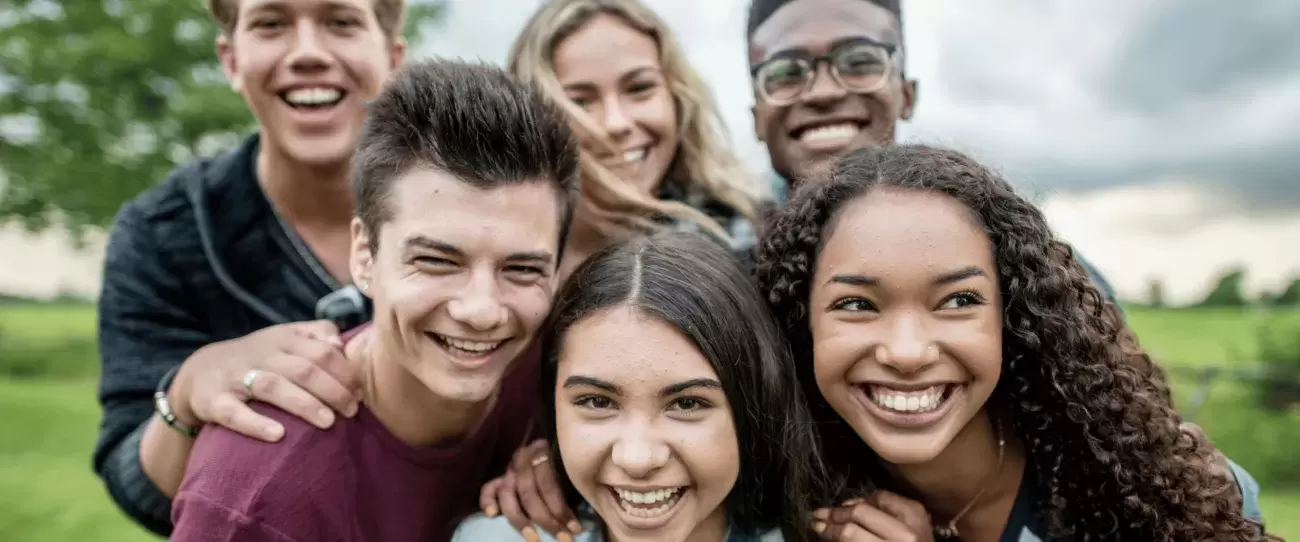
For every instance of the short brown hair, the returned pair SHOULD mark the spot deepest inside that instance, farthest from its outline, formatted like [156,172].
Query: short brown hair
[472,120]
[391,15]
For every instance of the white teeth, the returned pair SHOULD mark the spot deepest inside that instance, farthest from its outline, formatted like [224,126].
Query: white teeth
[474,347]
[635,155]
[924,400]
[830,133]
[663,498]
[313,96]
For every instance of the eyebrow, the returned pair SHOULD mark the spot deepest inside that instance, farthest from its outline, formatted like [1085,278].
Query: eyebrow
[943,278]
[674,389]
[831,47]
[586,85]
[429,243]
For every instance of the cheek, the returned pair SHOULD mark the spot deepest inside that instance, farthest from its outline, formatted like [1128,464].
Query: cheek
[583,444]
[531,305]
[711,452]
[369,65]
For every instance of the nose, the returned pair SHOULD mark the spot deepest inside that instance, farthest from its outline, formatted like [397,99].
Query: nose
[309,51]
[908,347]
[638,452]
[616,121]
[478,305]
[825,89]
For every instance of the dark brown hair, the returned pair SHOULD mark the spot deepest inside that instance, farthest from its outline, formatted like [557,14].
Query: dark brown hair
[692,283]
[471,120]
[1106,456]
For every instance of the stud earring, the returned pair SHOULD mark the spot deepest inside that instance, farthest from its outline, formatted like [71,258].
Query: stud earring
[365,286]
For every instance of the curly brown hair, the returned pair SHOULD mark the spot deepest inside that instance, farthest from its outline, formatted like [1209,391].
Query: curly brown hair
[1104,449]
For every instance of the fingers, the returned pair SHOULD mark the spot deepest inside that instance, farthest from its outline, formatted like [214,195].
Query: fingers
[322,330]
[527,488]
[487,497]
[858,520]
[913,514]
[273,389]
[299,364]
[509,503]
[849,533]
[230,412]
[549,489]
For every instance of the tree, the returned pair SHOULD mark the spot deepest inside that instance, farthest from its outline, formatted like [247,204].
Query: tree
[99,99]
[1227,291]
[1156,294]
[1290,297]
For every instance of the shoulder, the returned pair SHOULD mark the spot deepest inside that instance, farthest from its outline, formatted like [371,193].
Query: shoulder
[307,469]
[480,527]
[1249,492]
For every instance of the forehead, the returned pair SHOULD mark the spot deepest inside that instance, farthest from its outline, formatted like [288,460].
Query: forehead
[604,44]
[286,5]
[890,231]
[634,350]
[814,25]
[512,218]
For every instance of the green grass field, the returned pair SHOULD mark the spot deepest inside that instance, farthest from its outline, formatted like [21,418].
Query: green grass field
[48,425]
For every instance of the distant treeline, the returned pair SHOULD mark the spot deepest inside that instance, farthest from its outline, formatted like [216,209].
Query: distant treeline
[1227,292]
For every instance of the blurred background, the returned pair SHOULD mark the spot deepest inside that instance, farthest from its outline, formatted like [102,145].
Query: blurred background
[1160,137]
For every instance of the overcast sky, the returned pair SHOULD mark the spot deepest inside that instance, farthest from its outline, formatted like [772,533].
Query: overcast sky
[1162,137]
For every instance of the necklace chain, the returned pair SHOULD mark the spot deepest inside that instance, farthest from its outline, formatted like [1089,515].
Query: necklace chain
[950,530]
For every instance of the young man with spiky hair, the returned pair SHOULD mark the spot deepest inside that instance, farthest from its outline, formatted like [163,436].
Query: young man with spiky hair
[465,182]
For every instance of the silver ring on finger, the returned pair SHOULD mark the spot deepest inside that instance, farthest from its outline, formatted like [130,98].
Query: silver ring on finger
[249,377]
[540,459]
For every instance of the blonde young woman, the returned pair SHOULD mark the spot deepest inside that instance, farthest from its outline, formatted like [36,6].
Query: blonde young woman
[654,151]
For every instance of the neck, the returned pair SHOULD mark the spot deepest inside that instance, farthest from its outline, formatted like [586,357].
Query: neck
[402,403]
[969,470]
[305,194]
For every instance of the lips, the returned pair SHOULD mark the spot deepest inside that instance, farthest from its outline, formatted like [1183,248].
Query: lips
[469,353]
[313,96]
[647,509]
[911,407]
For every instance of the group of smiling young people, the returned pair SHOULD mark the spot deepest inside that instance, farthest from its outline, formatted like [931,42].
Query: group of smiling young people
[585,320]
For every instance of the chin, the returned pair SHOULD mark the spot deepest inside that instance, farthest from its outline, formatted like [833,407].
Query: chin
[321,149]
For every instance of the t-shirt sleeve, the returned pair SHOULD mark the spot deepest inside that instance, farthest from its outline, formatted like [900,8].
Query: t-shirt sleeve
[241,488]
[199,519]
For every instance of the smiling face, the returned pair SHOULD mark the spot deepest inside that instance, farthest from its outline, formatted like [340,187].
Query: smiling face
[906,321]
[612,71]
[645,433]
[461,279]
[306,69]
[827,120]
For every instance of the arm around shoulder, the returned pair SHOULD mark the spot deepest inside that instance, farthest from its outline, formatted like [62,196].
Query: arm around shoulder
[146,327]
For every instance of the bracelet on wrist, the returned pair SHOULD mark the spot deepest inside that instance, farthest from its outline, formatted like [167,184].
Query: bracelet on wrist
[164,408]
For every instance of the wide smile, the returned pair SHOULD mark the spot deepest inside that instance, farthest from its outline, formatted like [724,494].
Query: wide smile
[629,158]
[909,408]
[465,352]
[830,135]
[313,103]
[647,509]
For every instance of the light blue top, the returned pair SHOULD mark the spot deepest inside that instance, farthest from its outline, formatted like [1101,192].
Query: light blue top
[480,528]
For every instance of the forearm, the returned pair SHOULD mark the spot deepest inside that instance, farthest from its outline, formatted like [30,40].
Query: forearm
[164,452]
[134,491]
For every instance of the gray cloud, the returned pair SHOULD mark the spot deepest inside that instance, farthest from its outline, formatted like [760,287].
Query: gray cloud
[1061,95]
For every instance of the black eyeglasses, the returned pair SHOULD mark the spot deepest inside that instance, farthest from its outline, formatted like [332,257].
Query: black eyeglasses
[860,65]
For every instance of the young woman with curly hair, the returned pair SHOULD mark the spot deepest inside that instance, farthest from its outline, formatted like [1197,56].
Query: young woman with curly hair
[955,353]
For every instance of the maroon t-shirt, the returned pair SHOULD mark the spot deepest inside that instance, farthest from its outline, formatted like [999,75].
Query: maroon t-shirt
[352,482]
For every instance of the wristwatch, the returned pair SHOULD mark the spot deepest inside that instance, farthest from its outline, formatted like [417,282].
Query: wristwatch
[164,408]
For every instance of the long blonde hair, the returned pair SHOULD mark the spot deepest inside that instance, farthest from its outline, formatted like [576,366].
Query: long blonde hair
[704,162]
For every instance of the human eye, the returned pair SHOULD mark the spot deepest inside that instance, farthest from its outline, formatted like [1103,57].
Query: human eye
[689,404]
[593,402]
[853,304]
[962,299]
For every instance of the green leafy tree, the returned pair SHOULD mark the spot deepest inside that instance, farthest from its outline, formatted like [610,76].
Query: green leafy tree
[99,99]
[1227,291]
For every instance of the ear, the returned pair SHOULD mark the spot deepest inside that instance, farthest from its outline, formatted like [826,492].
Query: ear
[362,260]
[397,53]
[226,54]
[909,99]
